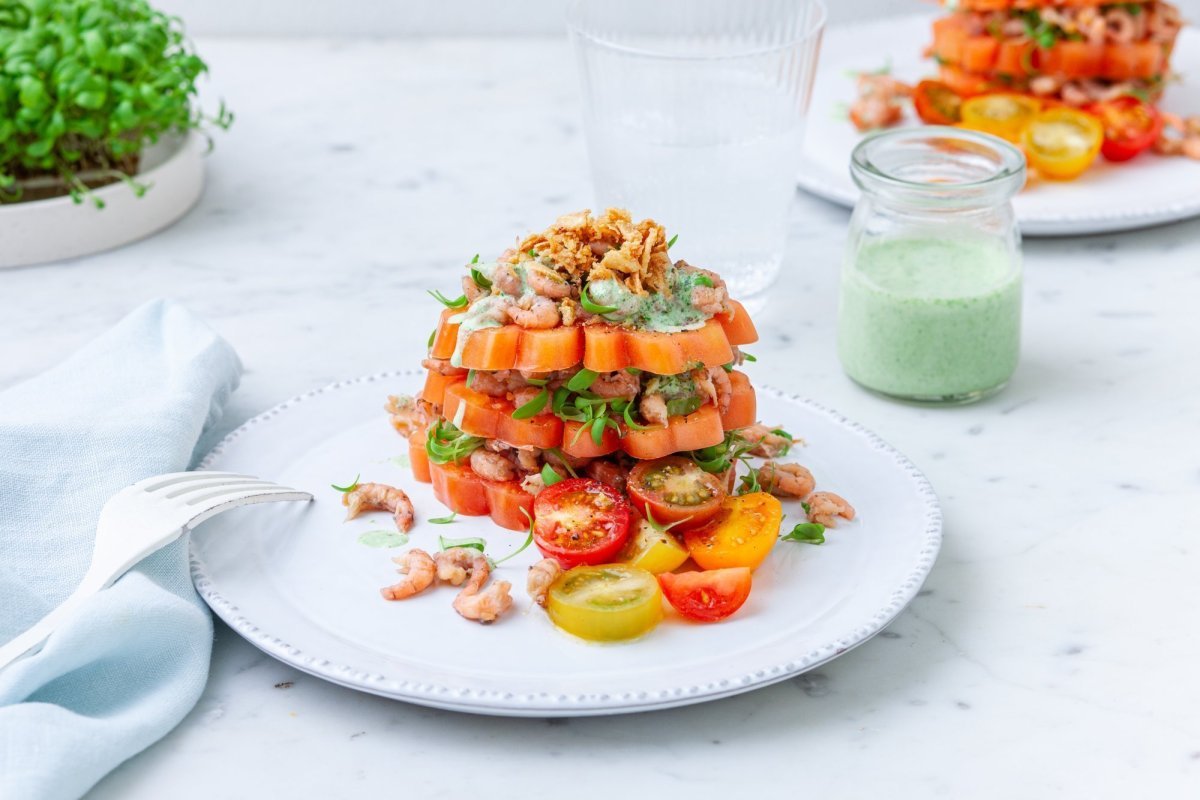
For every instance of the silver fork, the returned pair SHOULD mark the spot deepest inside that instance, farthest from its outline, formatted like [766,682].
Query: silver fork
[143,518]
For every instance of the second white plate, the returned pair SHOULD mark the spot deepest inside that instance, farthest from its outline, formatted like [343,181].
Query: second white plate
[1110,197]
[296,582]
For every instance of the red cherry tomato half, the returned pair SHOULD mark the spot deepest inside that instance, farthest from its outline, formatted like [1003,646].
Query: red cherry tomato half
[1130,126]
[707,596]
[580,521]
[675,491]
[937,103]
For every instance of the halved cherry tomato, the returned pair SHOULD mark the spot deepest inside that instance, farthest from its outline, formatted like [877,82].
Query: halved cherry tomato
[740,535]
[1130,126]
[1002,114]
[464,492]
[605,603]
[707,596]
[1061,143]
[675,491]
[937,103]
[652,549]
[581,521]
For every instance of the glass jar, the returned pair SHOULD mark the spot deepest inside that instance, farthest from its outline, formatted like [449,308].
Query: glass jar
[930,302]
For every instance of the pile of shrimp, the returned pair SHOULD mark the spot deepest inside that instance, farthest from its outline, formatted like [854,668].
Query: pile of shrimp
[793,481]
[1180,136]
[1115,24]
[459,566]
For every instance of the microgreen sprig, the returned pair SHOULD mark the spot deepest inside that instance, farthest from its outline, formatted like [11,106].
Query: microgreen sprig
[550,476]
[348,488]
[672,240]
[591,306]
[445,443]
[458,302]
[471,542]
[533,407]
[704,280]
[444,520]
[810,532]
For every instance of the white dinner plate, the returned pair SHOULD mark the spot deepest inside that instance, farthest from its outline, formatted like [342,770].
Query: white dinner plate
[1109,197]
[295,581]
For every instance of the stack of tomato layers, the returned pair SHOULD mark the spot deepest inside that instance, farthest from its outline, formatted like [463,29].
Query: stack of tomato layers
[1075,51]
[576,430]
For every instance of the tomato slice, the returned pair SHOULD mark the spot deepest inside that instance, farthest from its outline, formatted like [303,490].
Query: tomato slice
[1002,114]
[675,491]
[653,549]
[464,492]
[581,521]
[1061,143]
[605,603]
[937,103]
[707,596]
[1130,126]
[741,535]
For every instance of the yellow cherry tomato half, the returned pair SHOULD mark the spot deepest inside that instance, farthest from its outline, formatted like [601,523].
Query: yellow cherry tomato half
[653,550]
[1003,115]
[1061,143]
[741,535]
[605,603]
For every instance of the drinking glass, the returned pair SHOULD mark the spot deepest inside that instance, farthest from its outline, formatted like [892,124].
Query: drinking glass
[694,114]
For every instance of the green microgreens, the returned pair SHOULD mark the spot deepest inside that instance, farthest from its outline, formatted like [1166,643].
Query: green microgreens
[470,378]
[458,302]
[432,336]
[558,453]
[445,443]
[549,475]
[722,457]
[704,280]
[86,85]
[528,541]
[592,307]
[807,508]
[727,367]
[350,488]
[582,380]
[537,381]
[658,526]
[472,542]
[533,253]
[810,532]
[749,482]
[533,407]
[444,520]
[633,370]
[480,279]
[747,357]
[672,241]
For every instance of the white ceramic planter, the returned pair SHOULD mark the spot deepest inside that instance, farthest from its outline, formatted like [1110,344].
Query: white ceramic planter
[59,228]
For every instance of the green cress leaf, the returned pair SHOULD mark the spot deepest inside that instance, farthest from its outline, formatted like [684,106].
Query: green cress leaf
[749,483]
[582,381]
[591,307]
[475,259]
[458,302]
[549,476]
[747,357]
[443,520]
[658,526]
[598,431]
[445,443]
[704,280]
[472,542]
[519,550]
[558,453]
[349,488]
[432,336]
[810,532]
[533,407]
[671,241]
[627,415]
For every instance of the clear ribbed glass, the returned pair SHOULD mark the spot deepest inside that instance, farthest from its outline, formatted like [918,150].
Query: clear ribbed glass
[694,113]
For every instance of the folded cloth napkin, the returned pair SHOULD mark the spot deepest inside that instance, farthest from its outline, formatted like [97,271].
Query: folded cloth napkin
[128,666]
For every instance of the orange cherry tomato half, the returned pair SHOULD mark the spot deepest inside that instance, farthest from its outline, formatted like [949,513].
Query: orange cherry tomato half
[1130,126]
[937,103]
[740,535]
[581,521]
[675,491]
[707,596]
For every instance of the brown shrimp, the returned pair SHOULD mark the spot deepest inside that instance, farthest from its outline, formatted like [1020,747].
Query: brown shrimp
[616,384]
[380,497]
[540,578]
[492,466]
[827,507]
[418,569]
[785,480]
[653,409]
[477,603]
[534,312]
[405,412]
[442,366]
[767,443]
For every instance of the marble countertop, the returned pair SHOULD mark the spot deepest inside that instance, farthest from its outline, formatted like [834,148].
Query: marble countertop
[1051,652]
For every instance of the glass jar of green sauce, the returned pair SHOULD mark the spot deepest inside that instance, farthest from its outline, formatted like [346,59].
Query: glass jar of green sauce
[930,302]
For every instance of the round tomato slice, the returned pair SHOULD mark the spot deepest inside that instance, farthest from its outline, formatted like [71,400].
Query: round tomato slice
[1061,143]
[1130,126]
[707,596]
[580,521]
[605,603]
[741,535]
[937,103]
[675,491]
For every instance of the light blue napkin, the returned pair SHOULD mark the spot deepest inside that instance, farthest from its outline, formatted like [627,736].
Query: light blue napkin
[129,665]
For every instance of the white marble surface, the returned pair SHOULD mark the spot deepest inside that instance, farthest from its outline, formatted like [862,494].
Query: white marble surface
[1053,652]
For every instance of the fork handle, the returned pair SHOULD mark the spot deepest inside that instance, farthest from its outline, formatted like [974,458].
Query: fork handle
[35,636]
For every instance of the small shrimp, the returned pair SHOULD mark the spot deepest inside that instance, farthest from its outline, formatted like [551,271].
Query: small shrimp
[723,387]
[497,383]
[380,497]
[1119,26]
[453,565]
[487,605]
[1163,22]
[546,281]
[506,279]
[534,312]
[1092,25]
[472,290]
[405,412]
[539,579]
[785,480]
[617,384]
[1045,85]
[529,458]
[442,366]
[418,569]
[533,483]
[826,507]
[527,394]
[878,102]
[767,443]
[1180,136]
[653,409]
[608,472]
[492,466]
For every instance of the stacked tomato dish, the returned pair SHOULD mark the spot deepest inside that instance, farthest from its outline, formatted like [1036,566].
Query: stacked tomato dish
[586,388]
